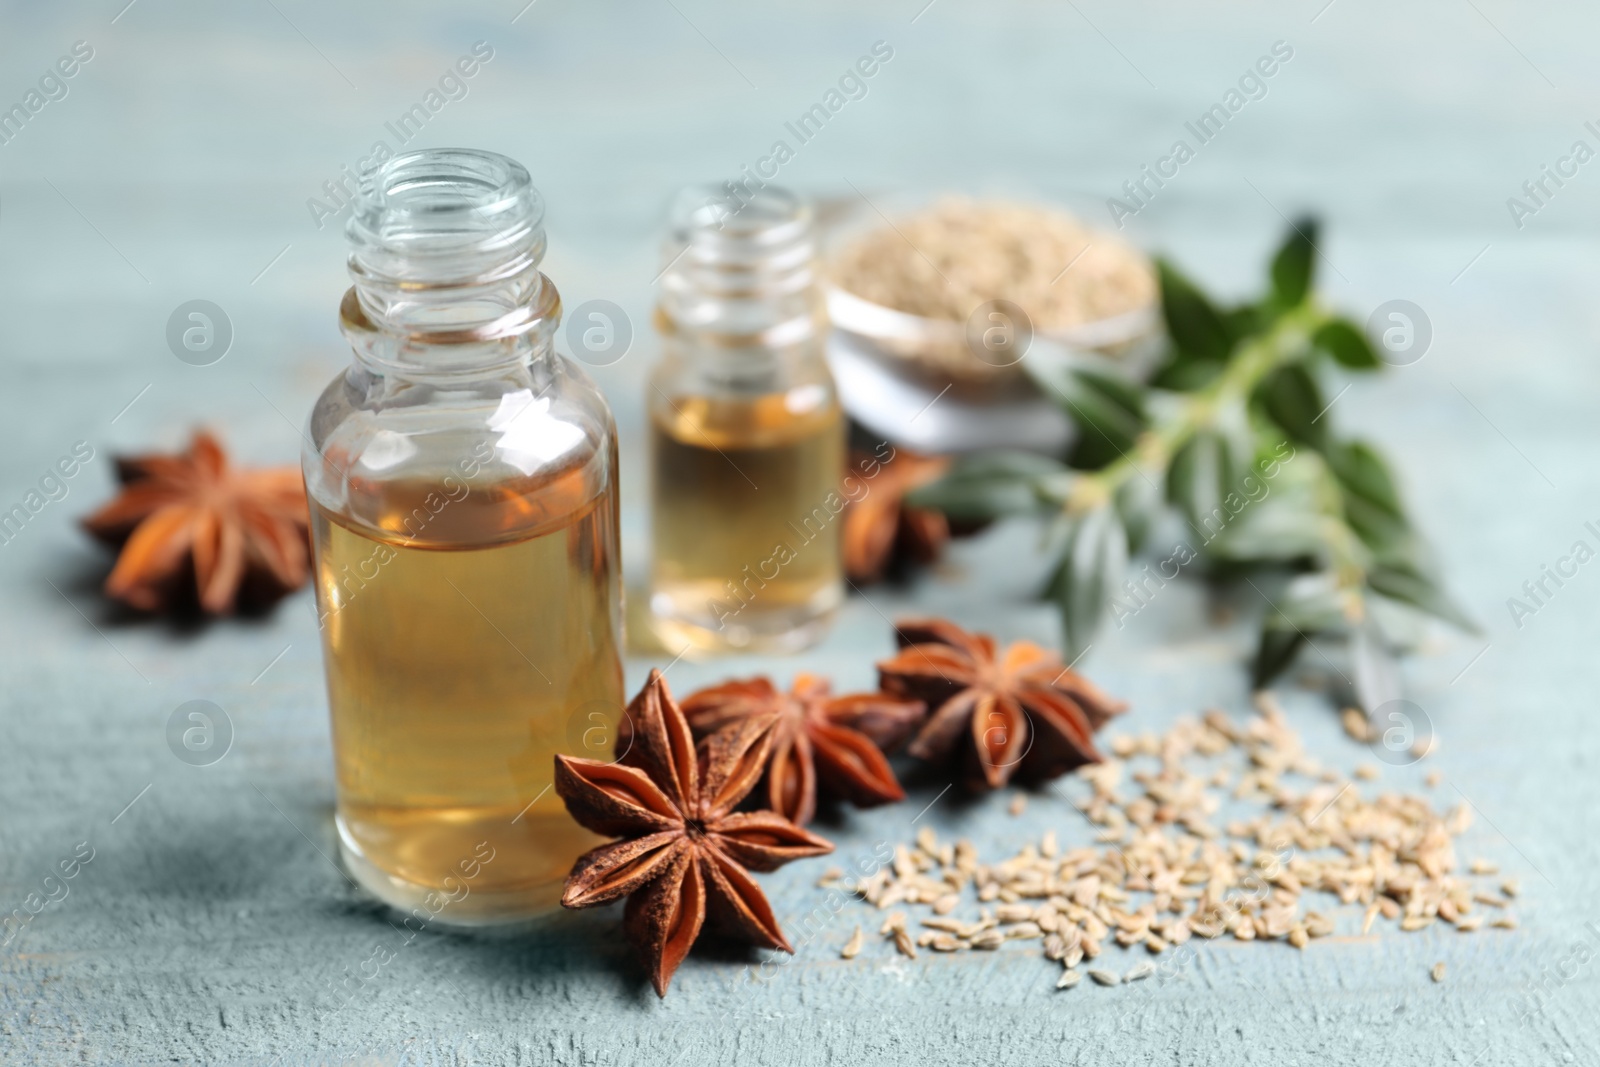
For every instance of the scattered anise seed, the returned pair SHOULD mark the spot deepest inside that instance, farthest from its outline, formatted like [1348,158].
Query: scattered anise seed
[1437,972]
[683,851]
[853,946]
[1366,772]
[1433,779]
[1018,805]
[994,713]
[189,524]
[1105,977]
[1356,724]
[1140,971]
[1068,979]
[989,939]
[1394,854]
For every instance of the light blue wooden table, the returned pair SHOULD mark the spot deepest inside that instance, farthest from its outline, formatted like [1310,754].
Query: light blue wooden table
[210,924]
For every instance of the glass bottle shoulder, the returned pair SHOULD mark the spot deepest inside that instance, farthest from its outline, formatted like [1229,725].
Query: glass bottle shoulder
[742,399]
[486,462]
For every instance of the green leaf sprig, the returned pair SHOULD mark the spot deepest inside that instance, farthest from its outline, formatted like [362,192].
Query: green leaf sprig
[1234,433]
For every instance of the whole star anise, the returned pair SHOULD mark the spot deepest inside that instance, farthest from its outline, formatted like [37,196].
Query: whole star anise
[684,856]
[191,513]
[1024,711]
[818,739]
[880,530]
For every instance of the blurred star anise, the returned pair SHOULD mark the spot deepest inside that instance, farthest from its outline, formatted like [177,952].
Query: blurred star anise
[1024,711]
[880,529]
[817,739]
[684,856]
[241,533]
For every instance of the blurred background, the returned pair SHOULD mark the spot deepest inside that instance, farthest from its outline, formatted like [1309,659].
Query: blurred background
[187,158]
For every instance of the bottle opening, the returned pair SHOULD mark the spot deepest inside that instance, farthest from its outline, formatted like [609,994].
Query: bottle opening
[447,192]
[447,241]
[741,261]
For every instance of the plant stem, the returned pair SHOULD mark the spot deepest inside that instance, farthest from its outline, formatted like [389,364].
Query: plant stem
[1251,362]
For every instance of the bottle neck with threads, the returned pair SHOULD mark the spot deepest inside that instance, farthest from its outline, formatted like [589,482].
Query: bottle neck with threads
[445,246]
[740,295]
[455,375]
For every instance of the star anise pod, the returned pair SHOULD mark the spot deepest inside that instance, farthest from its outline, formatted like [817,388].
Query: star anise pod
[818,739]
[684,856]
[190,513]
[1022,708]
[880,529]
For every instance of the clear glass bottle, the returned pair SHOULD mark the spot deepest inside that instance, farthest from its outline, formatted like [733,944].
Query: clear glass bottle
[463,487]
[746,431]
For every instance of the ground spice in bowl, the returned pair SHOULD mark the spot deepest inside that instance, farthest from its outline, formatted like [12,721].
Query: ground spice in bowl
[1079,286]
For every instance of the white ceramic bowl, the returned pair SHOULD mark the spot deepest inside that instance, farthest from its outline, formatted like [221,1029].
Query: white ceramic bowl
[915,381]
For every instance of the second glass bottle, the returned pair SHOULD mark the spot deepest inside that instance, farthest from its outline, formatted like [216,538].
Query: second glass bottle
[748,439]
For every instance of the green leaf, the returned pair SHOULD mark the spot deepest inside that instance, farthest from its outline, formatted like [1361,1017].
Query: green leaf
[1407,583]
[1198,481]
[1270,532]
[1362,471]
[1276,651]
[1183,373]
[1390,537]
[1192,321]
[1290,397]
[1110,417]
[1308,604]
[989,486]
[1377,679]
[1127,394]
[1371,502]
[1343,341]
[1312,602]
[1089,573]
[1292,267]
[1138,503]
[1246,319]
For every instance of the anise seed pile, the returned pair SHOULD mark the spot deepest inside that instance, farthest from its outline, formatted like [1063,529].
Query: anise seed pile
[1168,872]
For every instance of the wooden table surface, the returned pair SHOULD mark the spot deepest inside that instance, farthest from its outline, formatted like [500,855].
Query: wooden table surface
[210,924]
